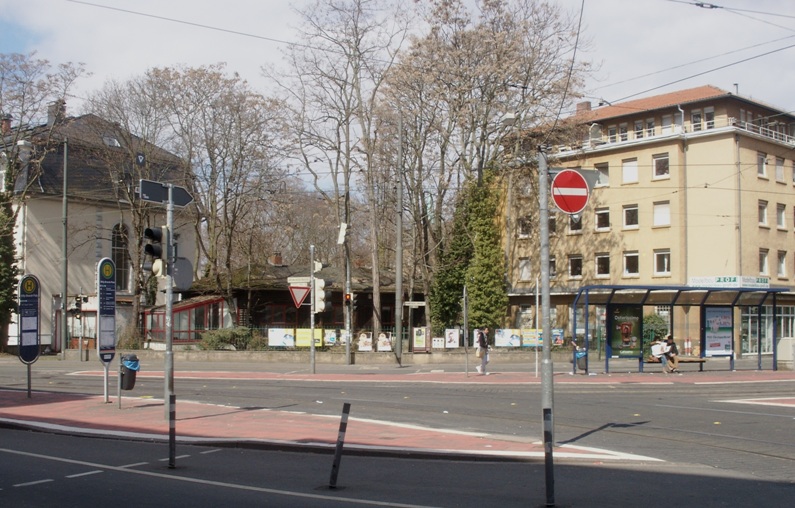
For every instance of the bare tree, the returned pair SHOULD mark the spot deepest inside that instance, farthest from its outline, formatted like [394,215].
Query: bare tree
[230,135]
[28,87]
[333,87]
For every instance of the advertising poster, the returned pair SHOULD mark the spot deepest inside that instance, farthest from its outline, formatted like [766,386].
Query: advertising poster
[384,342]
[451,338]
[625,331]
[365,341]
[330,337]
[420,340]
[281,337]
[302,337]
[531,337]
[507,337]
[718,331]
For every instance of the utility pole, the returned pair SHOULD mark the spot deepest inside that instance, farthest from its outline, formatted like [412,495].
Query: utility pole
[399,251]
[546,363]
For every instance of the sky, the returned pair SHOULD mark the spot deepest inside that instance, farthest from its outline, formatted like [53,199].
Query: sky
[640,47]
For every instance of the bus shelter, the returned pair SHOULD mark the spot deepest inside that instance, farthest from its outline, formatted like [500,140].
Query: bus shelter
[624,318]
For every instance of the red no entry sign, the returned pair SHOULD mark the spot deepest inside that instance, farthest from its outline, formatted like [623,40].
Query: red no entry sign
[570,191]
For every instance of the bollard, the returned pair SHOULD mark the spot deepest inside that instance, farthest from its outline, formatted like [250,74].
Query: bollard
[346,409]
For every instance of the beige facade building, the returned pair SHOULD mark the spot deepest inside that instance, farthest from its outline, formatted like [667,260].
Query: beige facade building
[695,187]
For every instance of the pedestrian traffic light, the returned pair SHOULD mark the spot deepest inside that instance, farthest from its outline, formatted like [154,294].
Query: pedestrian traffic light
[157,250]
[322,301]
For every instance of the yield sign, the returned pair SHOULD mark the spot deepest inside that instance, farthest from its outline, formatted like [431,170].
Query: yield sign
[299,294]
[570,191]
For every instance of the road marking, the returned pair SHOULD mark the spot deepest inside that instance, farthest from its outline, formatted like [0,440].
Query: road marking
[87,473]
[134,465]
[305,495]
[177,457]
[28,484]
[210,451]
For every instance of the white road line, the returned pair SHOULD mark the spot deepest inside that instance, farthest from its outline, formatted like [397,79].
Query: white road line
[28,484]
[210,451]
[177,457]
[344,500]
[87,473]
[134,465]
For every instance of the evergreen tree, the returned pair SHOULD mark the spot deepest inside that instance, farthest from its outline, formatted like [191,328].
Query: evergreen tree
[488,299]
[448,284]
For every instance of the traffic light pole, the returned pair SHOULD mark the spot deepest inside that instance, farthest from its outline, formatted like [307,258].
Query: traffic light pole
[169,367]
[312,296]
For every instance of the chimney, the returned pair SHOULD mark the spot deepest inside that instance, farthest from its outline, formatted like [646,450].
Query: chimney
[583,107]
[5,125]
[276,259]
[56,112]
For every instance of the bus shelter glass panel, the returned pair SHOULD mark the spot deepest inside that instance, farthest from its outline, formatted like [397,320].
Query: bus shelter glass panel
[749,331]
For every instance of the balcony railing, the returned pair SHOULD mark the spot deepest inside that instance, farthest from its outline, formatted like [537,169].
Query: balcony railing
[770,131]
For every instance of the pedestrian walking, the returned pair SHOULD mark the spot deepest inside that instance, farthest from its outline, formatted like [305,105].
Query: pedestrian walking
[483,350]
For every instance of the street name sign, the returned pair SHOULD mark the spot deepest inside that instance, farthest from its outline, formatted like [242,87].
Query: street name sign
[157,192]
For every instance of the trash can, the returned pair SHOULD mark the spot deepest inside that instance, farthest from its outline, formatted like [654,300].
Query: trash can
[129,368]
[581,358]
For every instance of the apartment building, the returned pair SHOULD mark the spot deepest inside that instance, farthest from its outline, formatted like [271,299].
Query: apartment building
[693,185]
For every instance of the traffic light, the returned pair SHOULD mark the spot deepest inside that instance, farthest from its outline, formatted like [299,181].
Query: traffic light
[322,301]
[157,250]
[350,300]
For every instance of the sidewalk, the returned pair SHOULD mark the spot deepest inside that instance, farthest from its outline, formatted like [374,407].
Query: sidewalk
[144,418]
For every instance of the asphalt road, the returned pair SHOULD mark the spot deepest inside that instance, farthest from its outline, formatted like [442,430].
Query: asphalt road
[699,430]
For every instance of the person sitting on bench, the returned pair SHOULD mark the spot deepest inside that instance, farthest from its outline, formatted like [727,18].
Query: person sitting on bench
[671,354]
[658,352]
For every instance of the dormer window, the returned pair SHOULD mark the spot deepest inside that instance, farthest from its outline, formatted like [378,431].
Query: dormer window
[111,141]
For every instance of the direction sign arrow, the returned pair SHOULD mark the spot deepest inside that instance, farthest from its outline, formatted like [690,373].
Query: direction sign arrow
[299,294]
[157,192]
[570,191]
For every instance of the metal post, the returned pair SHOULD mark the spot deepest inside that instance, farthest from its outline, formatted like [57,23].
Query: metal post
[335,466]
[64,253]
[312,309]
[399,251]
[546,363]
[466,329]
[169,368]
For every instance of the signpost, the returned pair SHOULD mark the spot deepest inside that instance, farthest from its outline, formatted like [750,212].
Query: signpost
[299,294]
[29,339]
[570,191]
[106,314]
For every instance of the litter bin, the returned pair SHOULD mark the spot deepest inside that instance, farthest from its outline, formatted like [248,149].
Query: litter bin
[581,358]
[129,368]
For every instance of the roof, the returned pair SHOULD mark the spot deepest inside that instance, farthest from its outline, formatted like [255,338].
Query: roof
[655,102]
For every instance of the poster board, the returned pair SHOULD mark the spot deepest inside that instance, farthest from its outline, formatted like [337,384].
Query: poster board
[420,340]
[384,342]
[717,325]
[452,338]
[303,337]
[507,337]
[281,337]
[625,331]
[365,341]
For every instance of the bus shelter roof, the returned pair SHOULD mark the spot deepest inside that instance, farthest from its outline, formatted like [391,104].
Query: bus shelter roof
[674,295]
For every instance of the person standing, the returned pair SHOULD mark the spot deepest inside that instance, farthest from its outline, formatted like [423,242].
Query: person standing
[483,350]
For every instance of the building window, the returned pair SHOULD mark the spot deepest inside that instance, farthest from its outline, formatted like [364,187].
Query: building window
[649,127]
[553,223]
[604,174]
[781,221]
[709,117]
[622,132]
[602,219]
[603,265]
[631,216]
[638,129]
[553,268]
[779,169]
[524,226]
[662,214]
[631,264]
[661,167]
[763,268]
[575,223]
[762,213]
[695,120]
[662,262]
[761,164]
[611,134]
[629,171]
[667,124]
[120,254]
[782,263]
[575,267]
[525,269]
